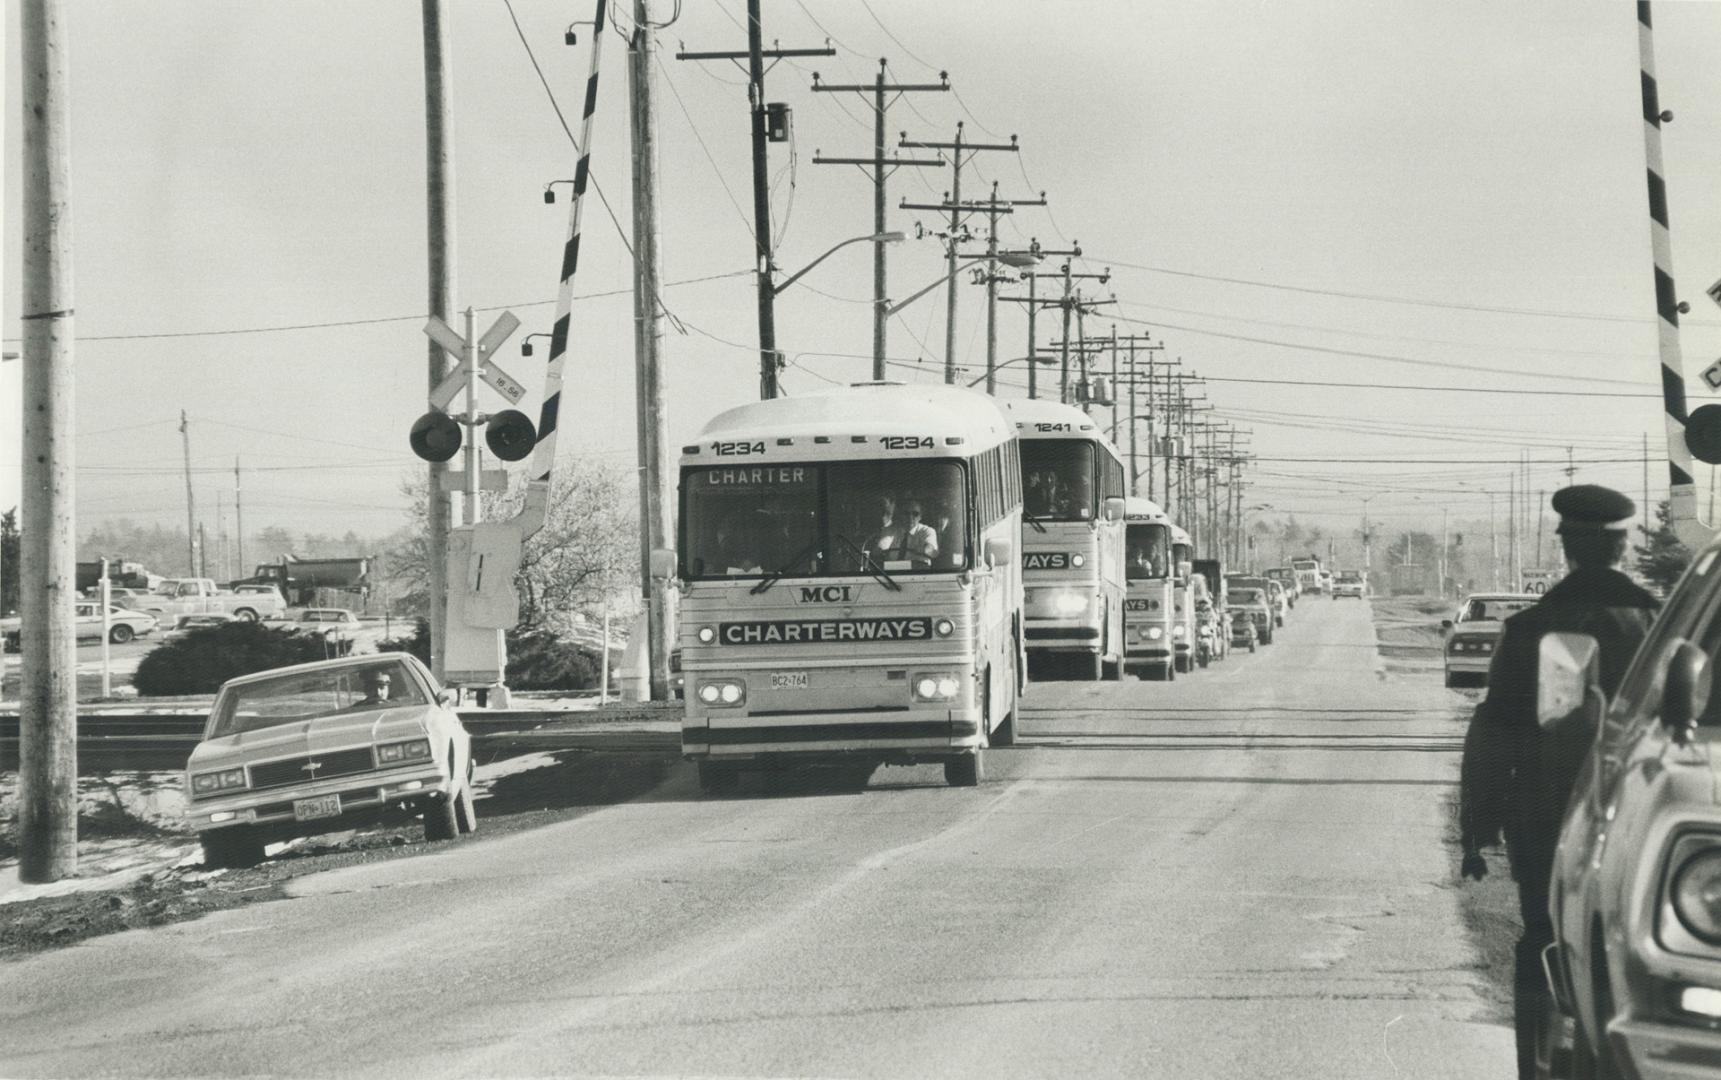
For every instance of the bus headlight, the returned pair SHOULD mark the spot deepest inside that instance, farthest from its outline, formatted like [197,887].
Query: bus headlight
[1070,603]
[724,692]
[936,686]
[707,634]
[1696,894]
[944,628]
[1179,630]
[1078,559]
[1154,633]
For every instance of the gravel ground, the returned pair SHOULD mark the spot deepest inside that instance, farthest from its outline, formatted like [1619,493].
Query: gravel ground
[1410,644]
[138,867]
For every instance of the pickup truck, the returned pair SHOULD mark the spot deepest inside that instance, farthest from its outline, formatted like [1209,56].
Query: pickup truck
[199,596]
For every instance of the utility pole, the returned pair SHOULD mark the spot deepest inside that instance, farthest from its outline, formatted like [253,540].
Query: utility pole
[878,163]
[1135,342]
[439,212]
[239,520]
[770,360]
[47,750]
[1034,303]
[960,154]
[190,508]
[656,524]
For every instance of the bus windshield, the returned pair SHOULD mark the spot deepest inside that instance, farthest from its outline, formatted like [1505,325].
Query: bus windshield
[1058,479]
[1148,548]
[824,519]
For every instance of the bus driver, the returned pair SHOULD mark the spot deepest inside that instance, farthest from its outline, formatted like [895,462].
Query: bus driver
[906,537]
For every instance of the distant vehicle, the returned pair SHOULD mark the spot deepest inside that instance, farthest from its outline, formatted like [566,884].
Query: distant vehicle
[1150,580]
[1472,633]
[318,747]
[1309,574]
[1349,583]
[338,623]
[1636,893]
[188,623]
[1243,624]
[1287,577]
[1250,603]
[1279,599]
[199,596]
[123,624]
[260,590]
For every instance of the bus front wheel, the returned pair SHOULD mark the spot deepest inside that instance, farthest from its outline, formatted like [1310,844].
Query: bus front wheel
[965,771]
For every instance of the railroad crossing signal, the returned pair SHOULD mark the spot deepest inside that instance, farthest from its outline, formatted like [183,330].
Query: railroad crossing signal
[436,436]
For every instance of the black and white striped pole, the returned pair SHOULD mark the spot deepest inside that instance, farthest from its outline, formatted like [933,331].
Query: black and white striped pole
[1682,491]
[531,517]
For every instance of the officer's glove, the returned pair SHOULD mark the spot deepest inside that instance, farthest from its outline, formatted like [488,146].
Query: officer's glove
[1474,866]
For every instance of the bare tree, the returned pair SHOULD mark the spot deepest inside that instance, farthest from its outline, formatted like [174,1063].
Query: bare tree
[586,551]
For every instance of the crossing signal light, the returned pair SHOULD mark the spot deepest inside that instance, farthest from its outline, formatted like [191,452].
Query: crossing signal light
[435,437]
[510,435]
[1703,434]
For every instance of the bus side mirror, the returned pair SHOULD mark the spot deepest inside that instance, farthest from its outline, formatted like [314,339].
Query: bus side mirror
[1568,686]
[662,564]
[998,551]
[1445,625]
[1685,691]
[1113,509]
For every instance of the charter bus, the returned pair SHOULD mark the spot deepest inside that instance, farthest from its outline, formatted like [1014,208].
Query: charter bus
[1183,598]
[1072,538]
[851,586]
[1148,601]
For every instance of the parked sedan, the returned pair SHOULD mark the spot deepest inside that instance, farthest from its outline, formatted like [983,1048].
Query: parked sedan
[1474,630]
[324,746]
[1636,891]
[122,625]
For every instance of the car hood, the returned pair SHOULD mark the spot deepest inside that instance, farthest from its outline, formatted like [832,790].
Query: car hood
[316,735]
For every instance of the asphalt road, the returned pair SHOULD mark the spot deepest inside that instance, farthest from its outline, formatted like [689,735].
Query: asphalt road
[1237,875]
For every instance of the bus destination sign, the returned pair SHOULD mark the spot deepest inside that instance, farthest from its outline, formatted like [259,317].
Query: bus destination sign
[819,631]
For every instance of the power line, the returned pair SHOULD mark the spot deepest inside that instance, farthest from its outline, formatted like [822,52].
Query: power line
[1381,298]
[706,150]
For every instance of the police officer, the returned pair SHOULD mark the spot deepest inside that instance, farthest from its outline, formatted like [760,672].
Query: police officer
[1517,778]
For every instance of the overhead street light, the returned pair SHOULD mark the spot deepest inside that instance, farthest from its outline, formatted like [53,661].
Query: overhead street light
[1018,259]
[1007,363]
[875,238]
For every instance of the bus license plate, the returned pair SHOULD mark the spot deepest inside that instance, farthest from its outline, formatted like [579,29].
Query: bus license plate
[324,806]
[789,680]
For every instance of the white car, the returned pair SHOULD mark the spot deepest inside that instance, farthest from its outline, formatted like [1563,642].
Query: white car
[339,624]
[320,747]
[1349,583]
[1474,630]
[123,625]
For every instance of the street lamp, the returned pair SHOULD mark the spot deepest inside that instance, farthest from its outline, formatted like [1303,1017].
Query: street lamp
[1018,259]
[875,238]
[1007,363]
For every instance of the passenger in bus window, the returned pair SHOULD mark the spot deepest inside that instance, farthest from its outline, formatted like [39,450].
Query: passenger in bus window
[738,542]
[1043,496]
[906,537]
[1140,564]
[946,544]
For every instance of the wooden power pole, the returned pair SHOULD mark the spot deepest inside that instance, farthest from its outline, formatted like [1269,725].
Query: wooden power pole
[439,210]
[48,747]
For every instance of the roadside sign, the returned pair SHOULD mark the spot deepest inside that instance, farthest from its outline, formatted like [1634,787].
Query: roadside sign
[455,345]
[503,383]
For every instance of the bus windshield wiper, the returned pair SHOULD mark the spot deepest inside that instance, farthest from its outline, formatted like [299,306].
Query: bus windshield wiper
[1034,521]
[777,575]
[879,573]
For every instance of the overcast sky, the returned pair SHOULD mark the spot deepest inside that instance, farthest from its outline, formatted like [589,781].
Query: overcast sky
[1422,192]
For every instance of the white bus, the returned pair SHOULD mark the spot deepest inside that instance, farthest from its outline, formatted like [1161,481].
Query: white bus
[851,586]
[1072,537]
[1149,601]
[1183,598]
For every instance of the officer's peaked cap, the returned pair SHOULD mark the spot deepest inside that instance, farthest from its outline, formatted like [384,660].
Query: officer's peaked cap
[1588,507]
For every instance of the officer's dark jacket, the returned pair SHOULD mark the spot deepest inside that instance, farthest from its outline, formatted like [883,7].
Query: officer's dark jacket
[1514,774]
